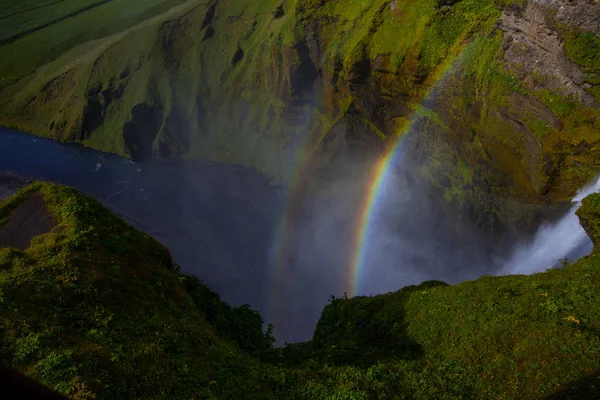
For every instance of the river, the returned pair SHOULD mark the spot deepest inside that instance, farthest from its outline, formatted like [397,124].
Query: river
[192,209]
[220,222]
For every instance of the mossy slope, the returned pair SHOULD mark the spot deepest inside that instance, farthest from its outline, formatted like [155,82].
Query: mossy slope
[272,83]
[96,308]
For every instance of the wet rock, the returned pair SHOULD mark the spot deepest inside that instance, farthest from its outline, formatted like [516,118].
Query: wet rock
[209,16]
[141,130]
[210,32]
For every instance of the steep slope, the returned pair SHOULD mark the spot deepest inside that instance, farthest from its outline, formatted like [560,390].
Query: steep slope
[499,98]
[94,308]
[512,337]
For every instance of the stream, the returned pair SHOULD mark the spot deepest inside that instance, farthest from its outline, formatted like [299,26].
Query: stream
[190,208]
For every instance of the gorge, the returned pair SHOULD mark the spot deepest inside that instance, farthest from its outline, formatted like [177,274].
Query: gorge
[301,154]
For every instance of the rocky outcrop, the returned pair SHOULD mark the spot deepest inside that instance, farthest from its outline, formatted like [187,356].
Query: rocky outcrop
[589,217]
[534,50]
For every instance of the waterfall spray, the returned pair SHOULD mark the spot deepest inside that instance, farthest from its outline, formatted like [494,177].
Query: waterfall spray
[563,239]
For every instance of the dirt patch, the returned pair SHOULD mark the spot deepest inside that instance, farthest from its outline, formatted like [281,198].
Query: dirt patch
[30,219]
[10,185]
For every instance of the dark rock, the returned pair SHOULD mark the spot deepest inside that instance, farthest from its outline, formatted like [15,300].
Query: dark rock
[589,217]
[303,75]
[141,130]
[446,3]
[582,148]
[278,13]
[382,63]
[209,16]
[210,32]
[237,57]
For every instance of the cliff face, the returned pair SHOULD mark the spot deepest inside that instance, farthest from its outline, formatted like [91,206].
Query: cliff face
[500,97]
[589,215]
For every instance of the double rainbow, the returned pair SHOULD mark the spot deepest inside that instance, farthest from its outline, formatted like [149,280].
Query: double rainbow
[366,212]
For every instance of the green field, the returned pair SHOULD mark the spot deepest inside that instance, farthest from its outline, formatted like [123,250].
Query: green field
[21,18]
[53,32]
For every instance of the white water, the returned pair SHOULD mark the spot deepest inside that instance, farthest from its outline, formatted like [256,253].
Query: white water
[564,239]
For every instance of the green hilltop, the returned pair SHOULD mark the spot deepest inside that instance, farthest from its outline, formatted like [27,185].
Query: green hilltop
[95,309]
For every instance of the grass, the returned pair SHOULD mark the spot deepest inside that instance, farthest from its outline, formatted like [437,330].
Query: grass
[583,48]
[157,53]
[522,337]
[95,309]
[20,17]
[40,46]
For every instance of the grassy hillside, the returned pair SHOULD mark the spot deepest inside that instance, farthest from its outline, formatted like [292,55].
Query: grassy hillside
[95,307]
[498,98]
[92,307]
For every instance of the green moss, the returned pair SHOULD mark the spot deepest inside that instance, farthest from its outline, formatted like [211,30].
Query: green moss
[589,216]
[583,48]
[465,172]
[560,105]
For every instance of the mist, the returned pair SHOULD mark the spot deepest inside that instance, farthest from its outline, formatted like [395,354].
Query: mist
[410,240]
[563,239]
[220,223]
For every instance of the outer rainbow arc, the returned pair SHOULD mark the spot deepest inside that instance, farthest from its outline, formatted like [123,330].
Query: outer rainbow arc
[278,248]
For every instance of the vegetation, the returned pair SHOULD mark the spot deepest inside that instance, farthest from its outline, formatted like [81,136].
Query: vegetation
[95,309]
[263,83]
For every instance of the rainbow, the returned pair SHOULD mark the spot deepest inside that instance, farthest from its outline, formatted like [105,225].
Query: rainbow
[380,172]
[279,249]
[373,193]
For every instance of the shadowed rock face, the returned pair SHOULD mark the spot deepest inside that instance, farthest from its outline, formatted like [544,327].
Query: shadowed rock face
[140,131]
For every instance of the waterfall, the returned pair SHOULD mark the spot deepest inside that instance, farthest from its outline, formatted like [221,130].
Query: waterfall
[563,239]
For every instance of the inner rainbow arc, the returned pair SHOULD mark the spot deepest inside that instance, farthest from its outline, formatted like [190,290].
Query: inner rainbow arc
[380,172]
[376,179]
